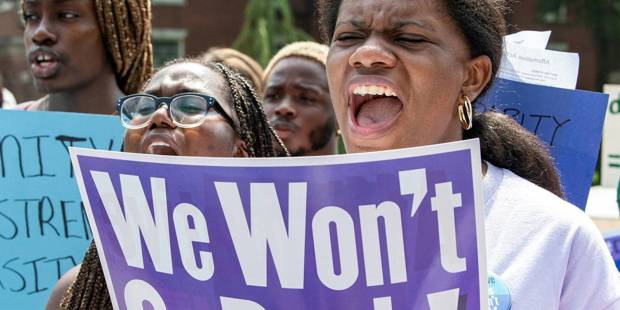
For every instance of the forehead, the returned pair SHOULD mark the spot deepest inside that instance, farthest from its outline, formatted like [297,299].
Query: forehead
[187,77]
[298,70]
[392,13]
[89,3]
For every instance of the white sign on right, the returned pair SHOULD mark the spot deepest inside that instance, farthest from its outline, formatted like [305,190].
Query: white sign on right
[610,167]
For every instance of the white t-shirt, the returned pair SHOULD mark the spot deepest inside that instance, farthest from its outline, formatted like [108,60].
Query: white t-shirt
[547,251]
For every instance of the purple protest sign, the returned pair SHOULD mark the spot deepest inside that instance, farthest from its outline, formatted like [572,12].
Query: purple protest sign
[390,230]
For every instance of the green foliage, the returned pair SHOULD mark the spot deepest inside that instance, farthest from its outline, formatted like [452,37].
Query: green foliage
[268,26]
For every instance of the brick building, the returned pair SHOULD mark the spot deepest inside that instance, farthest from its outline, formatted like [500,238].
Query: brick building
[188,27]
[567,35]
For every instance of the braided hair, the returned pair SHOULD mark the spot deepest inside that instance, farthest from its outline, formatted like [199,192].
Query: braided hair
[238,61]
[254,129]
[125,27]
[89,290]
[126,31]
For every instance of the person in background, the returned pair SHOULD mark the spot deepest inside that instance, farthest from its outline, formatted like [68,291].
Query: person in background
[242,63]
[85,54]
[407,73]
[231,123]
[297,102]
[7,100]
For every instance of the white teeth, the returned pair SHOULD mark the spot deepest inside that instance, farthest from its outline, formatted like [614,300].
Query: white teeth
[42,58]
[380,90]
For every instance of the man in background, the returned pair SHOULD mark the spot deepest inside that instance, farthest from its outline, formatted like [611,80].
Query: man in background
[238,61]
[86,54]
[297,102]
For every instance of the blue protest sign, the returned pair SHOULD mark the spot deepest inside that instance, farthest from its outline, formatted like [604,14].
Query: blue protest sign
[43,228]
[570,122]
[613,243]
[391,230]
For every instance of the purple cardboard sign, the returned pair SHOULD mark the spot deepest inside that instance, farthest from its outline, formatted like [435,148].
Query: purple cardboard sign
[390,230]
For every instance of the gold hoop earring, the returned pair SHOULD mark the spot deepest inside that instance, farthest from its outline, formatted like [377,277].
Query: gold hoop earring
[466,113]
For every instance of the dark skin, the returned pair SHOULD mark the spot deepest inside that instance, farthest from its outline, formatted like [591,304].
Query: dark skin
[298,105]
[414,48]
[214,137]
[67,56]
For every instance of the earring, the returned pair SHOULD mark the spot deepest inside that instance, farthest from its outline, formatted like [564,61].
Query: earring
[338,132]
[466,113]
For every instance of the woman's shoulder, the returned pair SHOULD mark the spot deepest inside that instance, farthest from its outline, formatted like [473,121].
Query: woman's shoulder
[520,213]
[33,105]
[517,195]
[531,231]
[61,288]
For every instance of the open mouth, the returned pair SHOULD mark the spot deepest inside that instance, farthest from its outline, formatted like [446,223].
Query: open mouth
[283,133]
[374,107]
[283,128]
[43,64]
[161,149]
[159,143]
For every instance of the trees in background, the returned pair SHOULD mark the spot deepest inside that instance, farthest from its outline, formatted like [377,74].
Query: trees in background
[268,26]
[603,18]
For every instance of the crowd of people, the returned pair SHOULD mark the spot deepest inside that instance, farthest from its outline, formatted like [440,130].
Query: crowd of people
[391,74]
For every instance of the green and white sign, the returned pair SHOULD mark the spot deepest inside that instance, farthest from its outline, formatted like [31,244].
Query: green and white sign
[610,166]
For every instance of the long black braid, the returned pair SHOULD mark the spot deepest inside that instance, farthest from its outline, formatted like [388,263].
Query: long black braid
[254,129]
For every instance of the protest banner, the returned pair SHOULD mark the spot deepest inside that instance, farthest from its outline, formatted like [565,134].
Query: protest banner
[569,121]
[400,229]
[610,166]
[43,228]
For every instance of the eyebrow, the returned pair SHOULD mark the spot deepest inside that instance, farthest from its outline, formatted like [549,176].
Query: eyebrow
[55,1]
[157,91]
[355,22]
[310,88]
[408,22]
[297,86]
[397,24]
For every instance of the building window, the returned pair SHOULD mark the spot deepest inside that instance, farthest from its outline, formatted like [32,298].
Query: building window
[168,44]
[558,16]
[7,5]
[558,46]
[168,2]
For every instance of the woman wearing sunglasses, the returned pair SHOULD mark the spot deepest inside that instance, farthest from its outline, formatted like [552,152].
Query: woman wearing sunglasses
[190,109]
